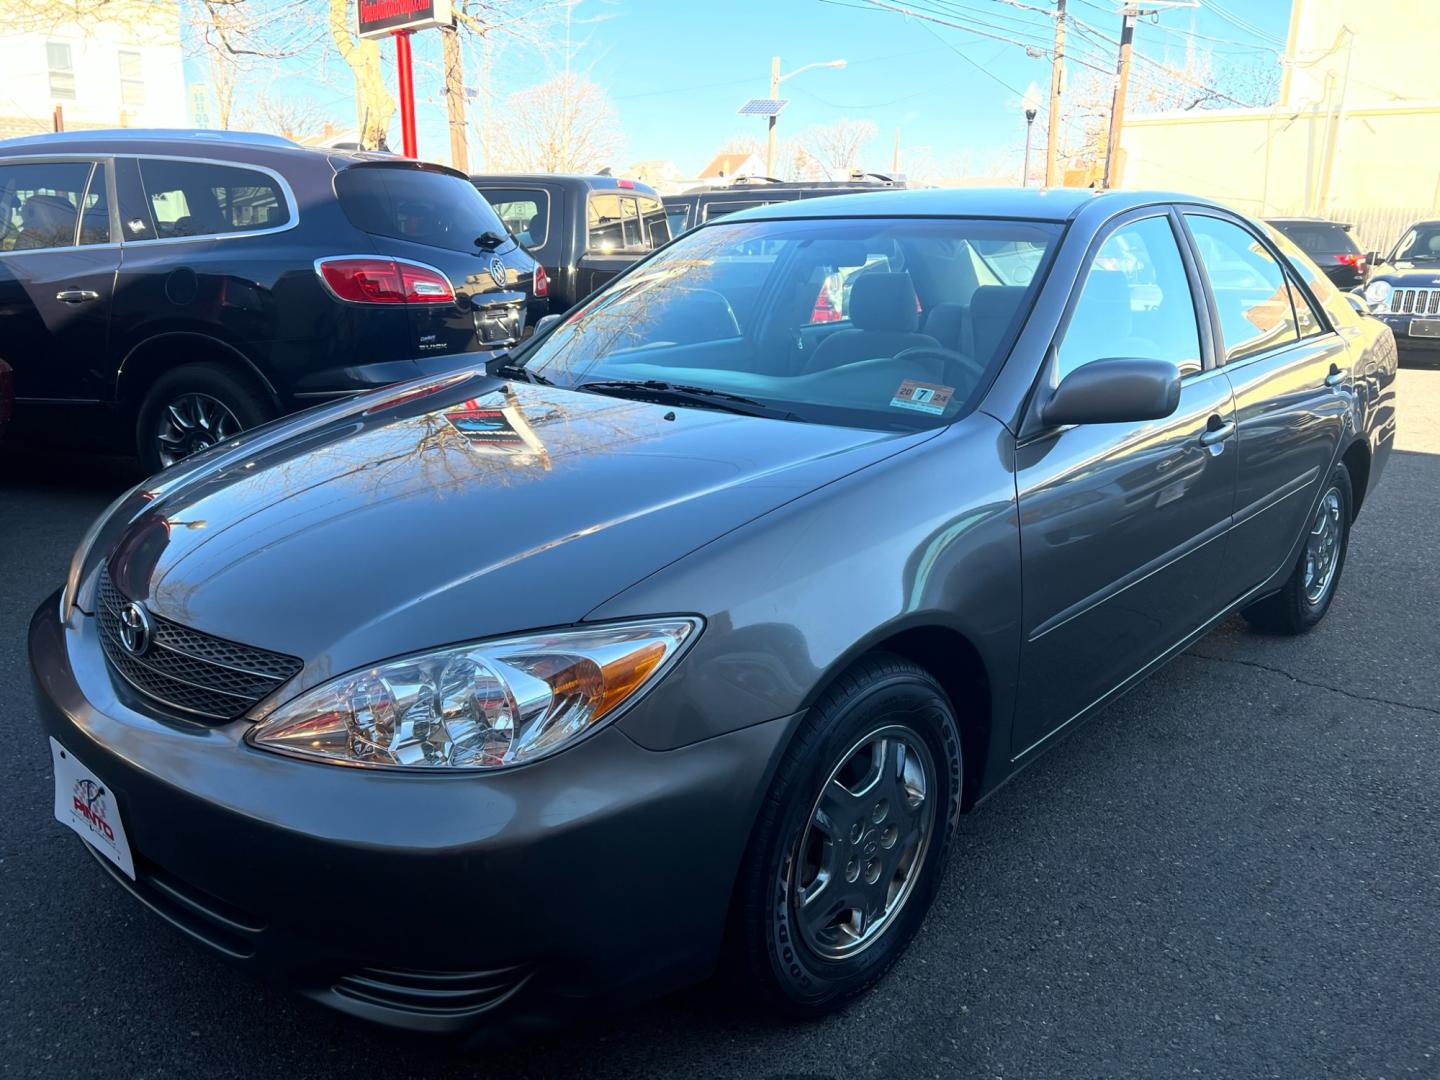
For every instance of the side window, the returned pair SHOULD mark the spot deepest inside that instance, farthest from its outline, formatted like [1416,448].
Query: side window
[1251,295]
[654,222]
[525,212]
[1135,301]
[677,219]
[602,224]
[39,204]
[95,213]
[192,198]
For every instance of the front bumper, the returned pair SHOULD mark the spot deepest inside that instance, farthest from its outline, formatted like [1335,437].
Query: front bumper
[431,903]
[1404,341]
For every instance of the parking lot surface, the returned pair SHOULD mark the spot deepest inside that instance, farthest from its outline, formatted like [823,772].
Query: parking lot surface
[1233,872]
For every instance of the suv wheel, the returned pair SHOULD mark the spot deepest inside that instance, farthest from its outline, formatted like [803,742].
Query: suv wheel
[851,840]
[191,409]
[1307,593]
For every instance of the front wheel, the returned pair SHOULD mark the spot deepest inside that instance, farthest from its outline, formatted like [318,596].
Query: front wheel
[1306,596]
[193,408]
[852,839]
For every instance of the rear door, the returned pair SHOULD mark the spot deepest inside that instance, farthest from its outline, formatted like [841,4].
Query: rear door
[1122,526]
[58,261]
[1291,375]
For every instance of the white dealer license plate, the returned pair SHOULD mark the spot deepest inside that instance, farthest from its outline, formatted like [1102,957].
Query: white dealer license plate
[1425,328]
[89,807]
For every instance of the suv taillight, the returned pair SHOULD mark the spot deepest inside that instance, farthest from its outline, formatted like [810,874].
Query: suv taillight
[541,286]
[385,281]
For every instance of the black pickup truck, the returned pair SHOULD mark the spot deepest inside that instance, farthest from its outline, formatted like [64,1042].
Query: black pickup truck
[582,229]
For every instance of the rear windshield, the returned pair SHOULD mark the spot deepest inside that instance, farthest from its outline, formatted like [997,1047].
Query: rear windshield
[420,205]
[1320,238]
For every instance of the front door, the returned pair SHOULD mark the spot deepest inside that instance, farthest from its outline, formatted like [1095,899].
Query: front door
[57,276]
[1122,526]
[1291,376]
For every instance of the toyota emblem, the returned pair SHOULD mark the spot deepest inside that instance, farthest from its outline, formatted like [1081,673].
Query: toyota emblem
[135,629]
[497,272]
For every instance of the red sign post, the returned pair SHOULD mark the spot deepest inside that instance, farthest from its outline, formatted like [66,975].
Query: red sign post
[400,18]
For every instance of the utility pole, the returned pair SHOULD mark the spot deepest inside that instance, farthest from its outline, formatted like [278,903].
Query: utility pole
[1334,125]
[1057,81]
[455,99]
[895,155]
[770,134]
[1117,107]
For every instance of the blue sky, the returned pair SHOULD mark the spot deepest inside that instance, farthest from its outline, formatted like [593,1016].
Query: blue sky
[677,70]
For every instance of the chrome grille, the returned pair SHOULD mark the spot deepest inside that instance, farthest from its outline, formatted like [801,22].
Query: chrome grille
[1415,301]
[187,670]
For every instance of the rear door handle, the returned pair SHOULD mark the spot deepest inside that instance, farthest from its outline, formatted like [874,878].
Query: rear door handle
[1217,432]
[1336,376]
[76,296]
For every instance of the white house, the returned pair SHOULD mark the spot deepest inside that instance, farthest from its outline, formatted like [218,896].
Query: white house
[121,71]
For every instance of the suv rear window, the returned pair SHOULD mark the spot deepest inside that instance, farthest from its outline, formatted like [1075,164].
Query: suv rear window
[1321,238]
[192,198]
[424,206]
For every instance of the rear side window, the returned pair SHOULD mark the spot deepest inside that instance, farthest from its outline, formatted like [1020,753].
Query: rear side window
[39,203]
[195,198]
[525,212]
[1321,287]
[424,206]
[677,218]
[1251,294]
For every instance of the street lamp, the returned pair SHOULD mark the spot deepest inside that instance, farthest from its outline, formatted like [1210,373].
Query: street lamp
[775,80]
[1031,105]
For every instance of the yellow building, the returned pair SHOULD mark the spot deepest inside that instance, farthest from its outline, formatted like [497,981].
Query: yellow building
[1355,134]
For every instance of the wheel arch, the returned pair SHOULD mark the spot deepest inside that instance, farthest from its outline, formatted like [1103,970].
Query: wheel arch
[951,657]
[151,358]
[1356,460]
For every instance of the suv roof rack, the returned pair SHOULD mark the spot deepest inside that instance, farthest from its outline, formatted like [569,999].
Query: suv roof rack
[253,138]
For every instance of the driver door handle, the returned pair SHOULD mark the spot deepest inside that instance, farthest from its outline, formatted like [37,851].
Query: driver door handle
[1217,431]
[76,296]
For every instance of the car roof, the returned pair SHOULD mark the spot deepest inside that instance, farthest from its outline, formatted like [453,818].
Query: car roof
[1309,221]
[573,179]
[1037,204]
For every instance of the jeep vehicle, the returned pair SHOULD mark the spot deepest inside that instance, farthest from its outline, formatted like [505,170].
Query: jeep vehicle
[164,290]
[583,229]
[706,203]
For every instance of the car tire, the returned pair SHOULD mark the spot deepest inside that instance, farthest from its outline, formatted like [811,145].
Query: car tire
[193,407]
[1308,592]
[795,961]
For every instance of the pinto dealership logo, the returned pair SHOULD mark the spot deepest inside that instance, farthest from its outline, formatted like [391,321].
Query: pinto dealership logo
[90,804]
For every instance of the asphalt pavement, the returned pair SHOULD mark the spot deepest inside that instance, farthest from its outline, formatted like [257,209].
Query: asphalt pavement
[1233,872]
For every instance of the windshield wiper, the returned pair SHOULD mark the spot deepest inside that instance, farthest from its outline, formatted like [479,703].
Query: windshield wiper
[506,366]
[489,241]
[667,393]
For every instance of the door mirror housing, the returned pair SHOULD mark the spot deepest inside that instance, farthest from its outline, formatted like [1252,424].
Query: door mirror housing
[1116,390]
[544,324]
[1371,258]
[1357,301]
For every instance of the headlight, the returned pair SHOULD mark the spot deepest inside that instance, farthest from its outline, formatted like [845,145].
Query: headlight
[482,706]
[1377,293]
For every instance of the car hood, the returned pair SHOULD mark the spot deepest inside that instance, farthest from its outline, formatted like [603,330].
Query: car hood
[1414,277]
[464,509]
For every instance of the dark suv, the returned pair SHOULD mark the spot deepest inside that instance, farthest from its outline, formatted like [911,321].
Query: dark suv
[178,287]
[702,204]
[583,229]
[1330,247]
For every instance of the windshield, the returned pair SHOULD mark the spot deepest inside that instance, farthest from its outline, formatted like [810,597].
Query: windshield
[1420,244]
[884,323]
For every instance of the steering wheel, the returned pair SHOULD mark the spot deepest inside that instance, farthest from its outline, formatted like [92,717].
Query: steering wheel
[946,357]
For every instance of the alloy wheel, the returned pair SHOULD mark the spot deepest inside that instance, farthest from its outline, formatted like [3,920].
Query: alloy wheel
[1322,546]
[862,849]
[193,422]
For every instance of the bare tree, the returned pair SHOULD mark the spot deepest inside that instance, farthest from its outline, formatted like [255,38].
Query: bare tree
[838,147]
[296,118]
[564,125]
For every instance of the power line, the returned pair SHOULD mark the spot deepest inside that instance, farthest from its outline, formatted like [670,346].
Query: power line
[1239,23]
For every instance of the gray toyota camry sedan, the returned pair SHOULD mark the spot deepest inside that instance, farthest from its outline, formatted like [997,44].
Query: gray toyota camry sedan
[679,638]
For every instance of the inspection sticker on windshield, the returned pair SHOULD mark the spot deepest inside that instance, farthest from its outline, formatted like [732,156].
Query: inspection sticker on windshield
[88,807]
[922,397]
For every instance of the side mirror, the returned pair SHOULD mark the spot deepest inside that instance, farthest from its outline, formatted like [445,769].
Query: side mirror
[1371,258]
[1357,301]
[1115,391]
[545,322]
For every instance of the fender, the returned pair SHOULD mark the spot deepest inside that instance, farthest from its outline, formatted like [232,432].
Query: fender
[209,340]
